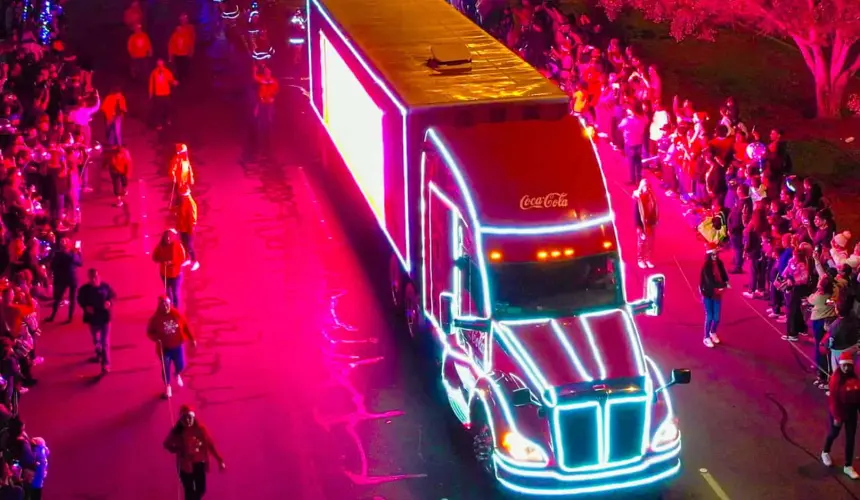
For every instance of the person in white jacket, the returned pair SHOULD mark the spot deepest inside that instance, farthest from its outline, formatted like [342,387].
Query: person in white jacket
[81,115]
[657,131]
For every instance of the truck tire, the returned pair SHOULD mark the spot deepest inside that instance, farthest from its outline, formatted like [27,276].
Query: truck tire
[395,281]
[481,438]
[412,311]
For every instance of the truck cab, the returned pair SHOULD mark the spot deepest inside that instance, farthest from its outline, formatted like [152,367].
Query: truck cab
[523,287]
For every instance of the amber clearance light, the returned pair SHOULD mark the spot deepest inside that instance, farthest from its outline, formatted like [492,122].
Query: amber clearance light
[544,255]
[607,244]
[495,255]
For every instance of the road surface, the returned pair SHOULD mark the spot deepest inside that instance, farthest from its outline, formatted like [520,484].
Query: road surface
[302,373]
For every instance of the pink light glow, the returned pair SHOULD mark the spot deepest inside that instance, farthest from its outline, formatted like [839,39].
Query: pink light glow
[354,123]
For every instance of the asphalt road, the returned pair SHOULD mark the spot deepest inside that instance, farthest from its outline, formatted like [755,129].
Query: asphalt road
[302,373]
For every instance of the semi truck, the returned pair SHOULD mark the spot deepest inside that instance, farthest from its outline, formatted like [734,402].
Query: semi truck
[504,249]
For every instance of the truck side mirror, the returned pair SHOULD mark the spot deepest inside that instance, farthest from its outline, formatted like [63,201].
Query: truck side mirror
[652,304]
[446,313]
[461,262]
[681,376]
[521,397]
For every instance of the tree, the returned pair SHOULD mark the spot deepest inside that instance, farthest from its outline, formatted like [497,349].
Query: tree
[826,32]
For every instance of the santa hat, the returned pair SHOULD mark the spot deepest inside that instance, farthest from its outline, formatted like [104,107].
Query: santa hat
[846,358]
[181,148]
[186,410]
[841,240]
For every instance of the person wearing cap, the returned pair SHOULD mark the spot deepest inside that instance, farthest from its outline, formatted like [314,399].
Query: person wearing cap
[193,446]
[186,223]
[169,254]
[169,329]
[844,403]
[713,282]
[181,171]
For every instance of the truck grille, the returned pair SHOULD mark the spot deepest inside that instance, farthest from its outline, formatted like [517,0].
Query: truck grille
[578,436]
[627,421]
[604,433]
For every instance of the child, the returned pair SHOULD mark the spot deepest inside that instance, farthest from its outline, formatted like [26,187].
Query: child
[823,313]
[41,452]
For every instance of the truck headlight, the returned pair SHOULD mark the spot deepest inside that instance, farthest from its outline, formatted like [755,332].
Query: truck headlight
[523,450]
[666,436]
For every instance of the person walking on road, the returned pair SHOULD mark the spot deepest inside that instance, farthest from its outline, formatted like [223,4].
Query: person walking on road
[181,172]
[114,108]
[844,403]
[186,224]
[96,299]
[193,446]
[64,265]
[169,254]
[264,111]
[139,48]
[646,215]
[161,83]
[180,48]
[118,160]
[713,283]
[133,15]
[633,128]
[169,329]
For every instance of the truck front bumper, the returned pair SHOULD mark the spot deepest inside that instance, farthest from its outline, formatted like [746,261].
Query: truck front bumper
[654,468]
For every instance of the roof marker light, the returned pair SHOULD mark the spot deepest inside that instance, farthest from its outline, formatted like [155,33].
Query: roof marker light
[542,255]
[568,252]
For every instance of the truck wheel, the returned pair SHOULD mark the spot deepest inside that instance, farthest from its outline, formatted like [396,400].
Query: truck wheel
[412,310]
[395,279]
[482,442]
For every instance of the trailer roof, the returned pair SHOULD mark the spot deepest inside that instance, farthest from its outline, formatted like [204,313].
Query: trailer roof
[396,36]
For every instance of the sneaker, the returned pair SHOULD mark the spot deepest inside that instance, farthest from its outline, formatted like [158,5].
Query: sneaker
[168,392]
[805,334]
[179,381]
[749,295]
[119,204]
[825,459]
[641,264]
[758,294]
[23,390]
[773,315]
[649,264]
[708,342]
[769,310]
[195,266]
[87,189]
[105,369]
[714,338]
[781,318]
[850,472]
[39,360]
[186,263]
[789,338]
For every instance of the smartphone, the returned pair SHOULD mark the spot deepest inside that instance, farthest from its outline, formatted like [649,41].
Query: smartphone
[78,244]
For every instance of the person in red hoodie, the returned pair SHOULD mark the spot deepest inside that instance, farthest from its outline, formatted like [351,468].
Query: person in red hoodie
[169,329]
[169,254]
[186,223]
[192,444]
[844,402]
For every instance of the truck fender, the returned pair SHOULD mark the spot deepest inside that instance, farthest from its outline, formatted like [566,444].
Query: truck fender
[486,402]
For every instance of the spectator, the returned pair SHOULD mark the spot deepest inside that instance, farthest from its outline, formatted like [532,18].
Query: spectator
[64,266]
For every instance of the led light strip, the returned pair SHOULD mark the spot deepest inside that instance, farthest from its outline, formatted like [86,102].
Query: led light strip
[406,260]
[546,230]
[595,351]
[670,411]
[571,352]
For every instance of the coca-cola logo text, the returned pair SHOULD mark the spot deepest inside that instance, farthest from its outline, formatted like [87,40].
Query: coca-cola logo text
[551,200]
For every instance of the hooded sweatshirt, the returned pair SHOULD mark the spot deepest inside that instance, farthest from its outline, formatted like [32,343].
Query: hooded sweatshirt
[170,257]
[169,328]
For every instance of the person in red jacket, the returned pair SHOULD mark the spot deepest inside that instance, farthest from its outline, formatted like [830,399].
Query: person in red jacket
[646,215]
[169,329]
[192,444]
[186,223]
[844,402]
[169,254]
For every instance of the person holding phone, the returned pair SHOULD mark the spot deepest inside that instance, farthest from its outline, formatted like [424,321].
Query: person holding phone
[65,266]
[713,282]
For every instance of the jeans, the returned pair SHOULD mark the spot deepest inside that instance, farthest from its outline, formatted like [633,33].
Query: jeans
[175,357]
[819,357]
[796,324]
[645,239]
[114,132]
[737,241]
[140,67]
[182,65]
[60,292]
[634,162]
[171,289]
[194,482]
[120,183]
[850,424]
[713,309]
[101,342]
[188,243]
[758,273]
[160,110]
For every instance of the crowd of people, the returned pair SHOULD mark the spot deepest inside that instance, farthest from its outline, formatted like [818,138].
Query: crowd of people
[738,186]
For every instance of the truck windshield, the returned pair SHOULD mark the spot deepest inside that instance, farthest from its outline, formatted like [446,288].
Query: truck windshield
[552,288]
